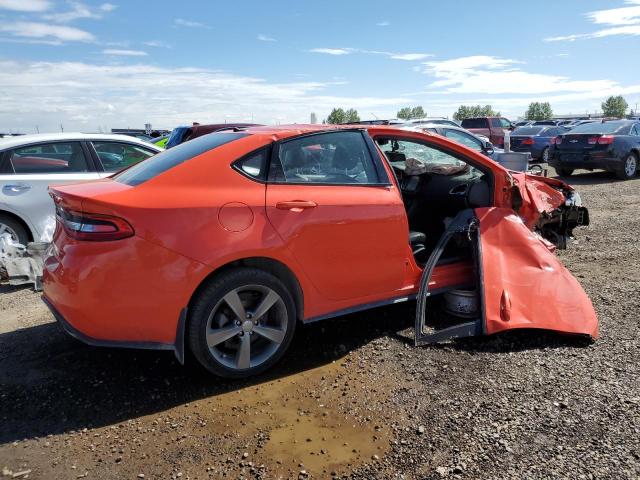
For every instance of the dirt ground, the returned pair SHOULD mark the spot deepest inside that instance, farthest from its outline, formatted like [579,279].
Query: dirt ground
[352,398]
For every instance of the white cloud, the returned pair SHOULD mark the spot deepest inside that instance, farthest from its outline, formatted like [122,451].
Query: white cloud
[124,53]
[383,24]
[181,22]
[395,56]
[410,56]
[607,32]
[48,93]
[620,21]
[79,10]
[54,34]
[498,76]
[617,16]
[265,38]
[25,5]
[333,51]
[158,44]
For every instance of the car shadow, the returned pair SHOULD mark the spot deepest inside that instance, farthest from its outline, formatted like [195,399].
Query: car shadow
[519,340]
[585,177]
[51,383]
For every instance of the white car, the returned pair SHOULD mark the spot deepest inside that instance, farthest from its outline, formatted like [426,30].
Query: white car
[30,163]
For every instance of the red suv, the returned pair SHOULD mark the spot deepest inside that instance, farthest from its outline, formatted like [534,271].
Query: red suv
[491,127]
[223,243]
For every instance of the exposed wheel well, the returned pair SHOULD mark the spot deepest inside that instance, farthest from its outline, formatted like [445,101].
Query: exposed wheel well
[13,216]
[269,265]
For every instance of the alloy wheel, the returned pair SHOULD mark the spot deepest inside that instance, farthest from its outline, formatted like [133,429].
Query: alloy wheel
[545,155]
[246,327]
[630,165]
[4,228]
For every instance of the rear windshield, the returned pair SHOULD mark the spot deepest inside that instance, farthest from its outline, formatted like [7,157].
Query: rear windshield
[528,131]
[475,123]
[163,161]
[597,127]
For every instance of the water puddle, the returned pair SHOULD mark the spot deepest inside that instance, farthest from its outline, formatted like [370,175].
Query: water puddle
[307,423]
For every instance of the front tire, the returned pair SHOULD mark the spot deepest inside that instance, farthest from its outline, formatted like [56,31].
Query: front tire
[629,167]
[241,323]
[564,172]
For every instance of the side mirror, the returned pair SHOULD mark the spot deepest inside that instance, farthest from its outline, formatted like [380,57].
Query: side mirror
[488,147]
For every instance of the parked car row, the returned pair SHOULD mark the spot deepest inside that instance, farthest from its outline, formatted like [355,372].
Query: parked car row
[612,145]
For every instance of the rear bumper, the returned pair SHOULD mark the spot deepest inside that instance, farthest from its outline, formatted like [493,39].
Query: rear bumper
[177,347]
[585,161]
[125,293]
[535,151]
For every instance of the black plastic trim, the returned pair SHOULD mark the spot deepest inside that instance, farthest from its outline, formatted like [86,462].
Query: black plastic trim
[359,308]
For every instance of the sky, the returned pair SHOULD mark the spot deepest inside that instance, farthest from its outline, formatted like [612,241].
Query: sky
[92,65]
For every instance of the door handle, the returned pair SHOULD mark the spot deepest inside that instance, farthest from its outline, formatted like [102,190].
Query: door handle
[296,205]
[17,187]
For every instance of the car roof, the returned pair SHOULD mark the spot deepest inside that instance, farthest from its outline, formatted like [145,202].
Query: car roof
[22,140]
[421,126]
[285,131]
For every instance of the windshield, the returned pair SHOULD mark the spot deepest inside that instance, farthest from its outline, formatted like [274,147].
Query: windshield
[168,159]
[527,131]
[604,128]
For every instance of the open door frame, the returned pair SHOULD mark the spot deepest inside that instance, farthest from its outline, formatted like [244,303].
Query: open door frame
[519,282]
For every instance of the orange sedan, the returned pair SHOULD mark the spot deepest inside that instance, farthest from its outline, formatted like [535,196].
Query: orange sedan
[224,243]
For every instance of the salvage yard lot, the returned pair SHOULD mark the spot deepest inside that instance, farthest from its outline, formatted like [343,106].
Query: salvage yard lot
[352,397]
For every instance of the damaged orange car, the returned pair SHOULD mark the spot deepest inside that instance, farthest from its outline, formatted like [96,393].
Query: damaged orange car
[223,244]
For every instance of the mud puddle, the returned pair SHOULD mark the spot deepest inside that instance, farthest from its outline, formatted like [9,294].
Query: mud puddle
[306,423]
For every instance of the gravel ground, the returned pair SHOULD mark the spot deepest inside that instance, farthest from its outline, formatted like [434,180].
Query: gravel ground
[353,398]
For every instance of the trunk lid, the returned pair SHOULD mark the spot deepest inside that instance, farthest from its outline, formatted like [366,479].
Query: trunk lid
[576,142]
[94,197]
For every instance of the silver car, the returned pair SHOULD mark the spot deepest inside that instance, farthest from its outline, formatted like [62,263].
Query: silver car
[479,143]
[30,163]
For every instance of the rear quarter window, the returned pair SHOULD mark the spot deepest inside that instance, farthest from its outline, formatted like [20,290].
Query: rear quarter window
[168,159]
[475,123]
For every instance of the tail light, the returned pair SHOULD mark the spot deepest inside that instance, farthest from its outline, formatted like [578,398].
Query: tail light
[592,140]
[93,226]
[556,140]
[606,140]
[527,141]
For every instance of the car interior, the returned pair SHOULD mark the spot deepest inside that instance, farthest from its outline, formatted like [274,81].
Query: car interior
[436,185]
[47,158]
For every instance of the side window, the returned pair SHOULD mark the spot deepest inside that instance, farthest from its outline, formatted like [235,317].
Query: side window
[636,129]
[505,123]
[62,157]
[496,123]
[416,158]
[464,139]
[327,158]
[115,156]
[254,165]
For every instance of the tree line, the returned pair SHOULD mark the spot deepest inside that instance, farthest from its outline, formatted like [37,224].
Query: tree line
[614,106]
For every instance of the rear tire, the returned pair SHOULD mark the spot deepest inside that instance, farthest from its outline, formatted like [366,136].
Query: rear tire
[241,323]
[544,156]
[564,172]
[14,228]
[629,167]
